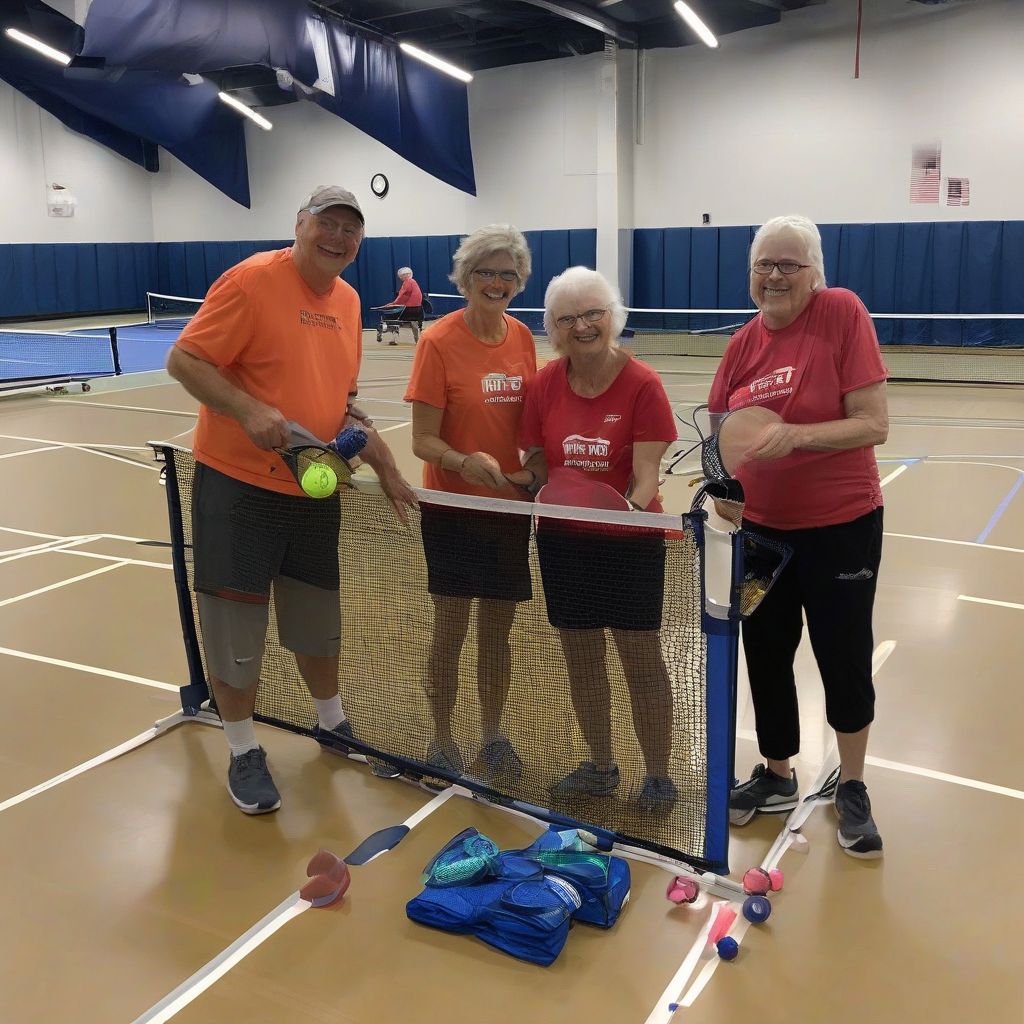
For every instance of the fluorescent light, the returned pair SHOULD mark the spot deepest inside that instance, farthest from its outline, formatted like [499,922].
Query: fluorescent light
[38,45]
[687,13]
[248,111]
[436,62]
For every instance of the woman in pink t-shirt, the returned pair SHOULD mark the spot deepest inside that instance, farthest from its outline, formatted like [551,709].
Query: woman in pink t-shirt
[811,481]
[599,416]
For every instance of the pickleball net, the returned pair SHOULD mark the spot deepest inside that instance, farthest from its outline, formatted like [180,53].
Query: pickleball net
[675,685]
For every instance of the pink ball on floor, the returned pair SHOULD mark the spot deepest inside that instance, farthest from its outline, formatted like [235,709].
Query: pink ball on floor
[756,882]
[776,877]
[682,890]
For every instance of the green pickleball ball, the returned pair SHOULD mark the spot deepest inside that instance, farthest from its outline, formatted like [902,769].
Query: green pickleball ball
[319,481]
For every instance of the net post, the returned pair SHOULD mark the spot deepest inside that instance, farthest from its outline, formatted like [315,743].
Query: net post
[197,690]
[112,331]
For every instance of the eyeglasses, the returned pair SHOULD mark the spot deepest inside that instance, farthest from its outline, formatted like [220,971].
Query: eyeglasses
[489,275]
[787,267]
[329,226]
[591,316]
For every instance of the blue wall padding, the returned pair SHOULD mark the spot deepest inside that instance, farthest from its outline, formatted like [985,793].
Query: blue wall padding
[961,267]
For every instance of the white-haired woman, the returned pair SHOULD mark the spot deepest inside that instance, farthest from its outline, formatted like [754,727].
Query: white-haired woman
[812,356]
[410,300]
[467,386]
[598,412]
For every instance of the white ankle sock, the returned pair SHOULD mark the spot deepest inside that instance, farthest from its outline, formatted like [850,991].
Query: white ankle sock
[330,712]
[241,736]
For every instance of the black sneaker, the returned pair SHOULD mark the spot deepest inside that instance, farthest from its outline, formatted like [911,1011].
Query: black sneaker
[857,833]
[658,795]
[764,791]
[333,740]
[250,784]
[587,780]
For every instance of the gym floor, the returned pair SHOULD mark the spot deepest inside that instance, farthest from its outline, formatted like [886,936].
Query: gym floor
[123,881]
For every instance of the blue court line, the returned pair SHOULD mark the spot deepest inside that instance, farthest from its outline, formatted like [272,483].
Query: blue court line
[1002,507]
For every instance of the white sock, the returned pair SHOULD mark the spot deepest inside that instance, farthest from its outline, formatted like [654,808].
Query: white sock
[330,712]
[241,736]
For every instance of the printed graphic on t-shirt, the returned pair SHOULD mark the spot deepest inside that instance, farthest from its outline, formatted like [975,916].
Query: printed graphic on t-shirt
[318,319]
[777,384]
[612,417]
[501,387]
[587,453]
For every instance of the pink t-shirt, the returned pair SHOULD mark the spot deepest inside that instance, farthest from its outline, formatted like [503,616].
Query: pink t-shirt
[596,435]
[803,372]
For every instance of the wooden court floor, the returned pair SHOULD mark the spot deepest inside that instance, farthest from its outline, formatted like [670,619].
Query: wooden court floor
[123,881]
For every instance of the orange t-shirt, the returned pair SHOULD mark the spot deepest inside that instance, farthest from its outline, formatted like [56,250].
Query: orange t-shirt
[480,389]
[268,332]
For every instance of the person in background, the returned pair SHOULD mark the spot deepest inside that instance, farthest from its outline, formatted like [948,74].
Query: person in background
[810,355]
[278,339]
[410,300]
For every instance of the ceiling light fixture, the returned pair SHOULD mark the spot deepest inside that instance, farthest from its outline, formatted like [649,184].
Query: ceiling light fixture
[436,62]
[687,13]
[248,111]
[38,45]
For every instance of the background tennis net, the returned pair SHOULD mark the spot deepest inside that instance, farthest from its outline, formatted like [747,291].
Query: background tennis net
[977,348]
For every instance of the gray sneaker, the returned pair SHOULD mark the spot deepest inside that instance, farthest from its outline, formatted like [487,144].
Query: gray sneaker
[498,761]
[250,784]
[446,756]
[764,791]
[333,740]
[587,780]
[658,795]
[857,833]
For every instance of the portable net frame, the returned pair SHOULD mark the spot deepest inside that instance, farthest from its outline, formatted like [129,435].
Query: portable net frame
[390,664]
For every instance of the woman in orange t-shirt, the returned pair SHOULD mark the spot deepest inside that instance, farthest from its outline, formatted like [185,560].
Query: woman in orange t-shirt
[467,388]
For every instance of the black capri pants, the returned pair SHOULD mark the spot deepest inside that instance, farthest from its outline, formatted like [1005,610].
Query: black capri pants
[830,579]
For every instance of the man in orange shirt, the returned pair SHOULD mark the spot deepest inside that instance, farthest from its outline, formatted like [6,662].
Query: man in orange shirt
[278,339]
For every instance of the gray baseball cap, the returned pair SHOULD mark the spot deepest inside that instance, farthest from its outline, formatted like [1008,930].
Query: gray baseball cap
[325,196]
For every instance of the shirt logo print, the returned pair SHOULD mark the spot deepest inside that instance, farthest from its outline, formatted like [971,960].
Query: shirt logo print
[502,387]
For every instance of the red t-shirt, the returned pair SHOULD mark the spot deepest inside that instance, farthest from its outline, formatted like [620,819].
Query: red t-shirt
[409,294]
[479,387]
[596,435]
[803,372]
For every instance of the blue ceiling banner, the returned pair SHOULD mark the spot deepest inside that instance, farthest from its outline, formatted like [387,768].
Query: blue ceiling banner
[198,36]
[130,113]
[419,112]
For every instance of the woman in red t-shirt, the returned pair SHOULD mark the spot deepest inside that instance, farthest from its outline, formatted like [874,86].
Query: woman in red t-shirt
[812,356]
[467,386]
[602,417]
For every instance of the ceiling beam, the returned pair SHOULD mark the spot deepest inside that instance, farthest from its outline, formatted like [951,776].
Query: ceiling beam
[588,17]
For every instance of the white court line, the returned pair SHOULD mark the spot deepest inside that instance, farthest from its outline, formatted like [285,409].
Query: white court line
[136,741]
[895,473]
[958,780]
[90,669]
[94,450]
[212,972]
[15,554]
[127,408]
[63,583]
[961,543]
[406,423]
[284,912]
[32,451]
[114,558]
[987,600]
